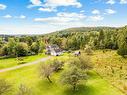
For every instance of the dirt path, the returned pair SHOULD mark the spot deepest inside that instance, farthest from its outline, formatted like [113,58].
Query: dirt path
[24,65]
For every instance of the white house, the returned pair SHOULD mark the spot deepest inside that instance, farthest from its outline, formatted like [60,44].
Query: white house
[53,50]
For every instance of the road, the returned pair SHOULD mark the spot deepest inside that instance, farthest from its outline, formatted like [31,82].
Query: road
[26,64]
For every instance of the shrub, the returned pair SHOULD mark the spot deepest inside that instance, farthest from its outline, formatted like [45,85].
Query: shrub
[88,50]
[23,90]
[5,87]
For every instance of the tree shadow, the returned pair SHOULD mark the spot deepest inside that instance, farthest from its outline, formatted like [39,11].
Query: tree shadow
[81,90]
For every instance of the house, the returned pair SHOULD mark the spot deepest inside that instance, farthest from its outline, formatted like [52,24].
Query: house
[53,50]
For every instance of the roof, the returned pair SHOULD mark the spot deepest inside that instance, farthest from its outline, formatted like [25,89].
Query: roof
[52,46]
[57,50]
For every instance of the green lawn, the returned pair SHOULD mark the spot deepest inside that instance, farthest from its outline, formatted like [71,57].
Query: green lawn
[10,62]
[40,86]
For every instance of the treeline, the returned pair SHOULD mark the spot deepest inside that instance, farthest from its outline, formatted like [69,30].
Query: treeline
[69,39]
[21,46]
[95,37]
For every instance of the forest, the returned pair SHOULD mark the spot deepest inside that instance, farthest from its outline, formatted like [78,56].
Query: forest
[68,39]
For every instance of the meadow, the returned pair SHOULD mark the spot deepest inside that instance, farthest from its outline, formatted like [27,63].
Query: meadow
[29,76]
[111,67]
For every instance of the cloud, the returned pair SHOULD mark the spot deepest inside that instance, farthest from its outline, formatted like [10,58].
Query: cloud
[111,2]
[62,18]
[22,16]
[82,11]
[57,3]
[47,9]
[7,16]
[35,2]
[51,5]
[2,6]
[110,11]
[95,11]
[123,1]
[96,18]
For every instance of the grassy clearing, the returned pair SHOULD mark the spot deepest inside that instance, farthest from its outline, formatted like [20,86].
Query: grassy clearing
[40,86]
[10,62]
[112,67]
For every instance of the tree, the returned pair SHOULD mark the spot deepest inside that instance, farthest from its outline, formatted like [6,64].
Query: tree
[101,35]
[45,71]
[73,76]
[88,50]
[38,46]
[122,50]
[4,50]
[85,62]
[56,40]
[122,42]
[5,87]
[35,47]
[22,49]
[1,42]
[56,65]
[28,40]
[64,44]
[23,90]
[11,47]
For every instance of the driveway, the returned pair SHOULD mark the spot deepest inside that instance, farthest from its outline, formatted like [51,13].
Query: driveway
[26,64]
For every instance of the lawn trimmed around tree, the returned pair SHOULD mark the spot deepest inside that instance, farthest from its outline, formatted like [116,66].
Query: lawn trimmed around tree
[40,86]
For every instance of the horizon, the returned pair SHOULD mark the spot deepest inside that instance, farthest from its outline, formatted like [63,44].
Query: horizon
[12,34]
[34,17]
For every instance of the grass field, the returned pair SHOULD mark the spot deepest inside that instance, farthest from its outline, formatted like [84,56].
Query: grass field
[112,67]
[10,62]
[40,86]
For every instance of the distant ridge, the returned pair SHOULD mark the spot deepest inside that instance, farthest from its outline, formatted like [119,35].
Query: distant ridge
[73,29]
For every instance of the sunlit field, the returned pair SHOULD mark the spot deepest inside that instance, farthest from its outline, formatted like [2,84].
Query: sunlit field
[29,76]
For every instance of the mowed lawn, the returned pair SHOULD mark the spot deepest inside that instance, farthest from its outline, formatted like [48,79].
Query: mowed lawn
[30,77]
[10,62]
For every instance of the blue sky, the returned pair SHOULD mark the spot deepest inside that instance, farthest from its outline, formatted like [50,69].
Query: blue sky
[44,16]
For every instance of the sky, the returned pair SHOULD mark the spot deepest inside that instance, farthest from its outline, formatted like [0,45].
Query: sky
[45,16]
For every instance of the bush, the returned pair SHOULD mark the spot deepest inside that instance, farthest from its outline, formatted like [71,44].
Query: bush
[20,60]
[5,87]
[23,90]
[88,50]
